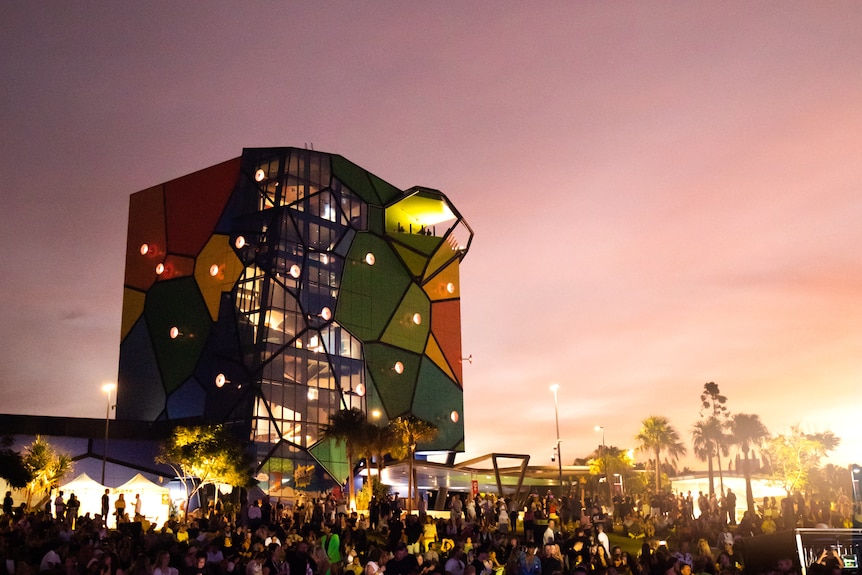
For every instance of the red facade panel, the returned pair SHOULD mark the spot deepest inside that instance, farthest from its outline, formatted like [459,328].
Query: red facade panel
[446,327]
[145,244]
[194,205]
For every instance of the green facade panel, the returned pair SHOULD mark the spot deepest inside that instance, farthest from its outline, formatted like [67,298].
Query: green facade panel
[411,322]
[375,220]
[370,293]
[395,389]
[332,456]
[436,399]
[385,191]
[354,178]
[415,262]
[177,304]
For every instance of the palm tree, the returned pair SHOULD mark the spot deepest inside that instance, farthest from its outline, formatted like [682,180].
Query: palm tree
[713,402]
[347,425]
[747,431]
[709,440]
[46,467]
[411,431]
[657,435]
[376,443]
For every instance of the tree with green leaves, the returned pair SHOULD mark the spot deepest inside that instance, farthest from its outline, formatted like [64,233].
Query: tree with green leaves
[712,402]
[747,432]
[410,431]
[610,461]
[709,440]
[795,456]
[12,467]
[206,454]
[658,436]
[348,426]
[46,467]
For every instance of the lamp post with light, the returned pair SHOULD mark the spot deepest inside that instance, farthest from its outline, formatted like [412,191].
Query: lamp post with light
[107,388]
[605,464]
[554,389]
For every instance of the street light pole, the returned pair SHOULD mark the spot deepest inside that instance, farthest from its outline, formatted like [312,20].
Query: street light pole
[107,388]
[554,388]
[605,464]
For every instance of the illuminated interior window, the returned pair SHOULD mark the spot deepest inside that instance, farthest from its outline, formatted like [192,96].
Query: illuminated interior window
[419,213]
[328,213]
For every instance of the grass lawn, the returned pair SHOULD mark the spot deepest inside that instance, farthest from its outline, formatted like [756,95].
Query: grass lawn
[626,543]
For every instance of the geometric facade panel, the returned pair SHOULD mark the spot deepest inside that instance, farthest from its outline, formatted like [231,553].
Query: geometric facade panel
[179,327]
[187,401]
[193,204]
[446,327]
[139,376]
[436,401]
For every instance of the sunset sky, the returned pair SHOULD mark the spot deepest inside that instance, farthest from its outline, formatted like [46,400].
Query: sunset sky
[662,193]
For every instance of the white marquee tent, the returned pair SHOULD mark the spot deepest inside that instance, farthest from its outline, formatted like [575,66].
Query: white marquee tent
[88,491]
[155,499]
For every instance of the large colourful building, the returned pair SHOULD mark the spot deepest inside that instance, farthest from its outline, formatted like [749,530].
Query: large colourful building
[272,290]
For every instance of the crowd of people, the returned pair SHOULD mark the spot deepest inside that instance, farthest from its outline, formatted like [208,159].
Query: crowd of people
[677,535]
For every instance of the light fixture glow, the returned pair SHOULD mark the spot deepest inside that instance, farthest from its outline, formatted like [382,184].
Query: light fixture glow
[312,393]
[450,287]
[360,390]
[144,249]
[370,259]
[214,269]
[324,259]
[398,367]
[220,380]
[295,271]
[326,314]
[454,416]
[417,318]
[375,413]
[239,242]
[259,175]
[175,332]
[160,269]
